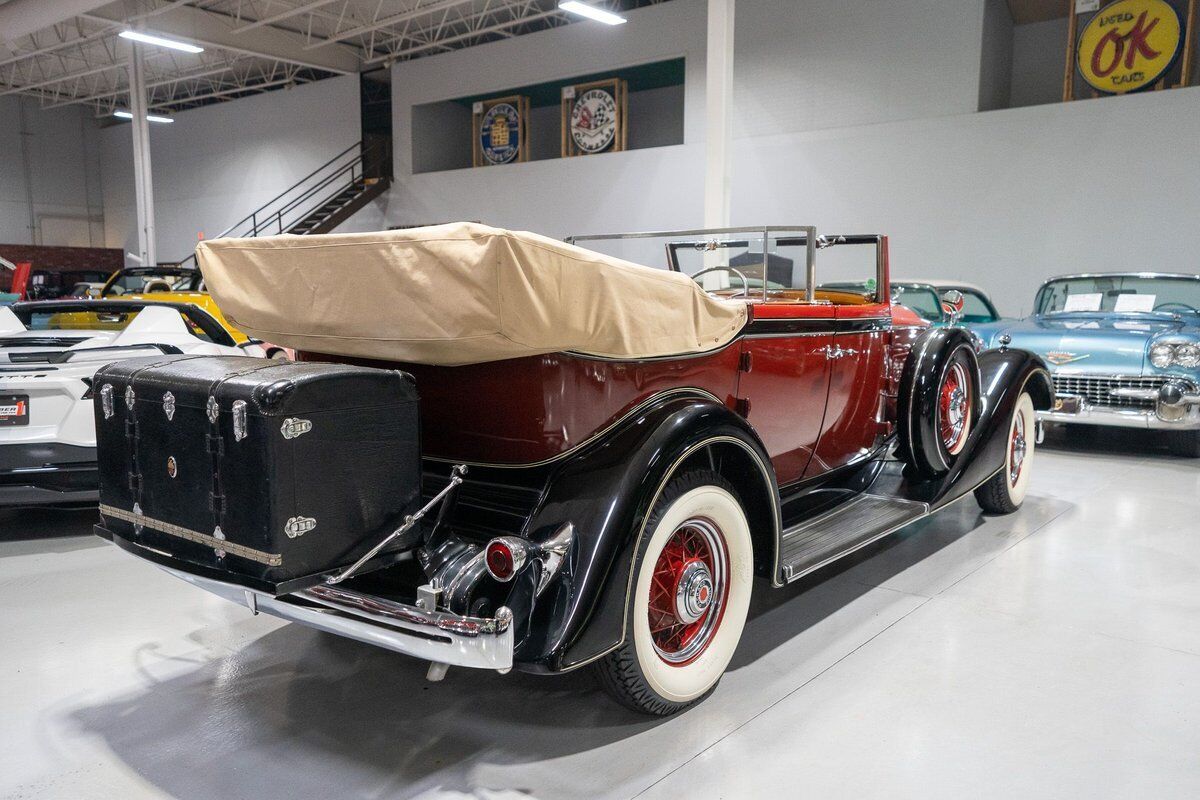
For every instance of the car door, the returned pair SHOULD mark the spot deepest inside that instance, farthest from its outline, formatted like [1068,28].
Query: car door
[855,420]
[784,381]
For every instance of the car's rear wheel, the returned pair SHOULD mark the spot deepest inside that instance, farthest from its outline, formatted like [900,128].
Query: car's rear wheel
[1186,443]
[691,590]
[1004,492]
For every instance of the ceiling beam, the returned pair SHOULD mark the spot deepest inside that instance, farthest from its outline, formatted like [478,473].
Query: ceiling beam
[282,15]
[70,76]
[498,27]
[168,105]
[56,46]
[217,30]
[385,22]
[180,78]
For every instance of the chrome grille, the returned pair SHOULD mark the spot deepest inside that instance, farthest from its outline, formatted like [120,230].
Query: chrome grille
[1097,389]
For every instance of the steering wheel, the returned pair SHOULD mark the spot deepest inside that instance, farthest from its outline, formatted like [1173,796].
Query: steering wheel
[745,283]
[1164,306]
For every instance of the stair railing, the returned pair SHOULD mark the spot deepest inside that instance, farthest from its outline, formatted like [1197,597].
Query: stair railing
[295,204]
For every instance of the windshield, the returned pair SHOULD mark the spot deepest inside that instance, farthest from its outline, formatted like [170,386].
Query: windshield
[771,265]
[976,308]
[141,281]
[922,299]
[1121,294]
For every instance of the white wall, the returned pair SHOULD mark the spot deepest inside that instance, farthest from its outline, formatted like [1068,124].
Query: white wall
[855,116]
[833,63]
[58,150]
[1039,54]
[216,164]
[1004,198]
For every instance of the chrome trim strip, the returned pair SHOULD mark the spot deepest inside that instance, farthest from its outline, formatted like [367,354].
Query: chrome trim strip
[926,510]
[223,545]
[483,643]
[601,432]
[877,325]
[1108,416]
[591,237]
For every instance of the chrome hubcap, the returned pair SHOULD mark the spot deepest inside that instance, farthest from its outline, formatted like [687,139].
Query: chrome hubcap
[688,591]
[693,594]
[1017,449]
[954,408]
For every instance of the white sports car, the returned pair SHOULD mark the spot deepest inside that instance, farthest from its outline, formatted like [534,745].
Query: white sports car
[49,352]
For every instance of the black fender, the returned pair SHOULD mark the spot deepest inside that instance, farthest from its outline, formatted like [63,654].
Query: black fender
[1005,374]
[919,440]
[606,492]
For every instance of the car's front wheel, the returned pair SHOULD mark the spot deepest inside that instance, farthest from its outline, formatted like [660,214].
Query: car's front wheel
[1004,492]
[691,590]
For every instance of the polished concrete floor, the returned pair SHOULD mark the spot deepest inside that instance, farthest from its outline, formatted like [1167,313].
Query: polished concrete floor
[1053,653]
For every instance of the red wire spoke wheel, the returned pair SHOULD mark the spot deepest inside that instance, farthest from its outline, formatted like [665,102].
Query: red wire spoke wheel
[954,408]
[689,595]
[938,402]
[1017,447]
[688,590]
[1004,492]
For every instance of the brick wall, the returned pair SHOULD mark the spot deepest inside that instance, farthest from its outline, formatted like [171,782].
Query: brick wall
[61,259]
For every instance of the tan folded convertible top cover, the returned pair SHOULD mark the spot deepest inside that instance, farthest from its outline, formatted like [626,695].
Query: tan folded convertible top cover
[458,294]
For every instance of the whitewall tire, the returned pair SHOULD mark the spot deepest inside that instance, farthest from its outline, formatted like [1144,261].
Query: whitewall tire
[691,590]
[1005,491]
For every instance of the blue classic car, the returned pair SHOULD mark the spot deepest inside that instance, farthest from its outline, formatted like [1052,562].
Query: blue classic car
[939,303]
[1123,348]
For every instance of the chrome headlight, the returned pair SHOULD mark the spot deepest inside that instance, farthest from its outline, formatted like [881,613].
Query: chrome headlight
[1188,355]
[1161,355]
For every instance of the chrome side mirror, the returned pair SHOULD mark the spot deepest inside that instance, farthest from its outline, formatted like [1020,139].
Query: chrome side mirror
[897,293]
[952,305]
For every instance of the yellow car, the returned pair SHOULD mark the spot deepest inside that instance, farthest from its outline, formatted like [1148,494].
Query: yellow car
[166,285]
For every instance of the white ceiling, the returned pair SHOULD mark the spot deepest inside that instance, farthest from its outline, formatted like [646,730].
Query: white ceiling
[67,52]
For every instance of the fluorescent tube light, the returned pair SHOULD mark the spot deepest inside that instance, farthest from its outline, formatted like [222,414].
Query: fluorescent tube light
[591,12]
[149,117]
[146,38]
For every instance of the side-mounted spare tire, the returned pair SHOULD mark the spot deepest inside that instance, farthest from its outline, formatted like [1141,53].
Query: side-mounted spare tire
[939,400]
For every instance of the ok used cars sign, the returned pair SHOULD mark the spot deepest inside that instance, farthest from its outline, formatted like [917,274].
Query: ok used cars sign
[1128,45]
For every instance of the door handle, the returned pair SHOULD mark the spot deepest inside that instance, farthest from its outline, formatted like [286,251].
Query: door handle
[836,351]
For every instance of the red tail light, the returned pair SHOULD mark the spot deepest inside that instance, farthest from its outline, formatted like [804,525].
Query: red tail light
[504,556]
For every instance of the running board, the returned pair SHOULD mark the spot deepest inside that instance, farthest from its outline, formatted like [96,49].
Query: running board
[854,524]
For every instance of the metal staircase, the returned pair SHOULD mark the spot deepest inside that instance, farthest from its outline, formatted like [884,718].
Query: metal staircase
[323,199]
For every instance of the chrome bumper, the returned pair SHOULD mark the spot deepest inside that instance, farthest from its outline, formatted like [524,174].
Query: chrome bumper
[485,643]
[1179,417]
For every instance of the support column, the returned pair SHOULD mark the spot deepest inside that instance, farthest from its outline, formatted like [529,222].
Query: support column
[718,113]
[143,182]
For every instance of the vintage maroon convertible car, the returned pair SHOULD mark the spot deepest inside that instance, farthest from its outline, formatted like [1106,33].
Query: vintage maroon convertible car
[498,450]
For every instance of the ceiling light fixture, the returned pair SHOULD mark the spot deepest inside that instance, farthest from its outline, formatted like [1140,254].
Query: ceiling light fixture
[591,12]
[149,117]
[147,38]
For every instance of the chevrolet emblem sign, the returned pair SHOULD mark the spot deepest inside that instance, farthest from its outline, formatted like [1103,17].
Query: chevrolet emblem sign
[1060,357]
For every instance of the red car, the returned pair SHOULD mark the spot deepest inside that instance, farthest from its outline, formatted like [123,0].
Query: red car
[610,453]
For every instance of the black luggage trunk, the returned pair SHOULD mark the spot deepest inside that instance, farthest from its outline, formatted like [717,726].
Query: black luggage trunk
[263,473]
